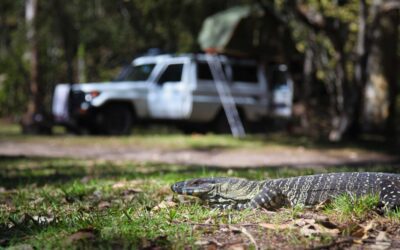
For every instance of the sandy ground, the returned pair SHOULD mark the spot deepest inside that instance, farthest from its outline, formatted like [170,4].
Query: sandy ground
[260,157]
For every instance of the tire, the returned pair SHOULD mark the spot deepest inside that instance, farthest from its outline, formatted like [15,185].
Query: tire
[221,125]
[114,119]
[189,129]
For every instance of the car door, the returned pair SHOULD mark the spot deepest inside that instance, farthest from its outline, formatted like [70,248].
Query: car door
[170,94]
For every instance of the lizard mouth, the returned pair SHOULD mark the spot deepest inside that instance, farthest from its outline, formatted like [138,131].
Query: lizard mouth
[186,188]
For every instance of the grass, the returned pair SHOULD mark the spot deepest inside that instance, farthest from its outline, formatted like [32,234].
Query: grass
[58,203]
[70,203]
[348,207]
[74,203]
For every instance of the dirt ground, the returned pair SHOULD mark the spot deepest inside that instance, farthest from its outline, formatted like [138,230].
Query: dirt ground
[217,157]
[296,230]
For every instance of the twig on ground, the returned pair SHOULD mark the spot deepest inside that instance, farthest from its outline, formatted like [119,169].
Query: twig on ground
[245,232]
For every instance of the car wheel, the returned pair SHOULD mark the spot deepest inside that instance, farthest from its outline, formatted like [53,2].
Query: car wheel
[221,125]
[114,119]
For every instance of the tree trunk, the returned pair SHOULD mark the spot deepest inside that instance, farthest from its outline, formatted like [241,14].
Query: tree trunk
[308,72]
[390,23]
[69,37]
[342,117]
[33,120]
[360,74]
[381,92]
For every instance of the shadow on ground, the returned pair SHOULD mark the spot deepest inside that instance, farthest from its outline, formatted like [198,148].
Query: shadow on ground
[21,171]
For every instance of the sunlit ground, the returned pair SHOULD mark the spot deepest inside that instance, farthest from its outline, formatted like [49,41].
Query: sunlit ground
[92,203]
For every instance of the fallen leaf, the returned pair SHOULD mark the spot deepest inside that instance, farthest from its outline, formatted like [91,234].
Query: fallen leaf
[369,226]
[83,234]
[275,226]
[310,227]
[234,229]
[38,201]
[163,205]
[303,222]
[211,247]
[236,247]
[362,231]
[309,230]
[224,229]
[317,217]
[382,242]
[208,221]
[358,232]
[208,243]
[202,242]
[131,191]
[119,185]
[104,205]
[382,236]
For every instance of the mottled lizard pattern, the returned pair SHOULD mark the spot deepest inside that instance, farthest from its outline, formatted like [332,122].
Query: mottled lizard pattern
[235,193]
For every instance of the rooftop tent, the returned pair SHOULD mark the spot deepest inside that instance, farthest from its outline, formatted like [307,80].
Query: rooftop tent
[238,30]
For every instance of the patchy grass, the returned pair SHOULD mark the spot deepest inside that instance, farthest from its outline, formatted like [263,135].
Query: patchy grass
[346,207]
[54,203]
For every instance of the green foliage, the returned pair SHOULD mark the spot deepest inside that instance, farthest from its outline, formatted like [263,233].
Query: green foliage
[13,74]
[394,214]
[347,206]
[112,33]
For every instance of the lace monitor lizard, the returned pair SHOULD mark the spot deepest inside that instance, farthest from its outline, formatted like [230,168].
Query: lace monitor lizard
[235,193]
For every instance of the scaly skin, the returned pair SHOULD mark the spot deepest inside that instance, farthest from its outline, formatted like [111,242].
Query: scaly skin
[233,193]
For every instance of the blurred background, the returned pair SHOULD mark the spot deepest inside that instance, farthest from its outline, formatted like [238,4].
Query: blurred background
[58,189]
[342,54]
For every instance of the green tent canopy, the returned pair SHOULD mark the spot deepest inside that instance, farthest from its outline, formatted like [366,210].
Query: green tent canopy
[238,30]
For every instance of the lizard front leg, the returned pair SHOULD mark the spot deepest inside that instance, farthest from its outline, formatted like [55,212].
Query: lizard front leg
[268,198]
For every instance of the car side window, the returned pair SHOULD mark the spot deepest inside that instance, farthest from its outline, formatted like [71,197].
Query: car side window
[173,73]
[204,71]
[245,73]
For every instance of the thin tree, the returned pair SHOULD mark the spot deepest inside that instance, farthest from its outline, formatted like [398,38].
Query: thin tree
[33,114]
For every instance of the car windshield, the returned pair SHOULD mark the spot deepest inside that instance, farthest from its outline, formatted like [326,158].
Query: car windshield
[136,73]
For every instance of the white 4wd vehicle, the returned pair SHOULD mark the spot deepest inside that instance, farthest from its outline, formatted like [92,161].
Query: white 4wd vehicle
[173,88]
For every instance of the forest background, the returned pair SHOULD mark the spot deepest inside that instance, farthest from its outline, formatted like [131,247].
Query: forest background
[343,54]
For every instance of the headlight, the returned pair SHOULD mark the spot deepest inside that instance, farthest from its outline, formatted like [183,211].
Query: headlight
[91,95]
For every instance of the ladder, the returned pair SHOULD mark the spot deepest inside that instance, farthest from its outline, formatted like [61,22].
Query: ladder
[225,95]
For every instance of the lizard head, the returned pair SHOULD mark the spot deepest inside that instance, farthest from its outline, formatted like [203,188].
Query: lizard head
[219,191]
